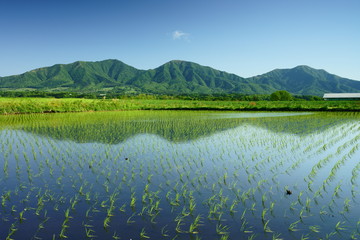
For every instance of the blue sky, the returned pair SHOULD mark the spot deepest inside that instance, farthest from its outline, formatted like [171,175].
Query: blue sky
[244,37]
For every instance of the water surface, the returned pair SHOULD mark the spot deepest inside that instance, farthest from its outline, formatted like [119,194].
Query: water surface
[182,175]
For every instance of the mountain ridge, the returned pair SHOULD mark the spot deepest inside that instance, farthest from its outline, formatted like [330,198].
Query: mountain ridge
[175,77]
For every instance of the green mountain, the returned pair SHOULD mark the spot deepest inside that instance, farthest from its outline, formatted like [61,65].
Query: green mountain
[77,75]
[306,81]
[187,77]
[174,77]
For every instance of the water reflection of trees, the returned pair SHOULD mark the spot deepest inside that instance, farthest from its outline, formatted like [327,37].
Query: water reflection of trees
[176,126]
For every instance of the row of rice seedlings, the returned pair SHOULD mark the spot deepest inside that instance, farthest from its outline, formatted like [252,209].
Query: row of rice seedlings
[336,192]
[355,174]
[308,204]
[320,164]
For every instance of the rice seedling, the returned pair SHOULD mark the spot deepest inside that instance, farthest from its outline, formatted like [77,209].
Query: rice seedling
[245,228]
[315,228]
[224,178]
[337,190]
[253,209]
[271,208]
[90,233]
[12,231]
[299,198]
[263,214]
[263,200]
[224,237]
[21,216]
[5,167]
[233,206]
[330,235]
[293,226]
[346,205]
[106,222]
[276,236]
[179,223]
[340,226]
[354,235]
[222,229]
[116,236]
[73,202]
[133,201]
[195,225]
[252,236]
[305,237]
[266,227]
[164,231]
[4,198]
[129,220]
[301,215]
[307,204]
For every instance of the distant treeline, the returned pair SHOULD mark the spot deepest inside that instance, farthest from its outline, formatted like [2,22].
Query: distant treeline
[110,95]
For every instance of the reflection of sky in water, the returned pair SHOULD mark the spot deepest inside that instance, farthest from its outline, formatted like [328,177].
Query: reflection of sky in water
[255,114]
[227,115]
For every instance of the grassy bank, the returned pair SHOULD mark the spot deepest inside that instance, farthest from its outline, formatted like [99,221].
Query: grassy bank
[48,105]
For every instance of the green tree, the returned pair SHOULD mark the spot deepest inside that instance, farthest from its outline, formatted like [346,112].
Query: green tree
[281,95]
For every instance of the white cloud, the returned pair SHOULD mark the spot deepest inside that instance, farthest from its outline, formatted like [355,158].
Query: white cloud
[180,35]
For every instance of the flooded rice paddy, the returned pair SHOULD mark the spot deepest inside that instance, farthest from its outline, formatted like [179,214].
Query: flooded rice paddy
[180,175]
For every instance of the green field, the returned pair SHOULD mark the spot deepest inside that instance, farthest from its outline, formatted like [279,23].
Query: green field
[49,105]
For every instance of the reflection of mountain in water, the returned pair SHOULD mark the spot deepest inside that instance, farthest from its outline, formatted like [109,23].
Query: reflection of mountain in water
[176,126]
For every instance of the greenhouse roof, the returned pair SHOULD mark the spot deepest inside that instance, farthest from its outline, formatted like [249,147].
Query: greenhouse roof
[341,96]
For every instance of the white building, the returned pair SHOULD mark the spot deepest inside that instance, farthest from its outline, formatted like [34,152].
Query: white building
[341,96]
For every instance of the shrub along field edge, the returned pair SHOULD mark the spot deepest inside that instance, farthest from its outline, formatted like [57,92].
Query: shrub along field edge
[53,105]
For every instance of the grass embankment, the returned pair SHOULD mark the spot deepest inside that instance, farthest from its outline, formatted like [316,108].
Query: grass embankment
[46,105]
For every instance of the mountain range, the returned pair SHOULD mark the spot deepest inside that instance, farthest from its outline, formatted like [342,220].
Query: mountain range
[174,77]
